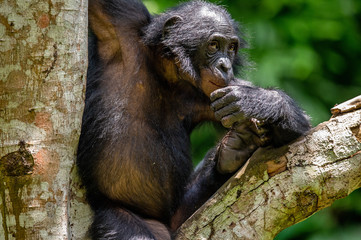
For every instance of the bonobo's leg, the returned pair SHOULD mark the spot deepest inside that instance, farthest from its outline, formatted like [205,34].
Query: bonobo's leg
[217,167]
[117,223]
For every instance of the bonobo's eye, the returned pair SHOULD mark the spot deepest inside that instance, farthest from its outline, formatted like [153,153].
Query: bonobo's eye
[213,46]
[232,47]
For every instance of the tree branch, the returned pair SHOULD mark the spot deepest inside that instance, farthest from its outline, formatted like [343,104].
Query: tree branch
[280,187]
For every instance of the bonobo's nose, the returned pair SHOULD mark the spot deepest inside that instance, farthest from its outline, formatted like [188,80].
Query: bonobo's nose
[224,65]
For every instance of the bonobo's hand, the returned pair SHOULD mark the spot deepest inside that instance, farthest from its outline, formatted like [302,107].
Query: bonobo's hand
[237,103]
[282,117]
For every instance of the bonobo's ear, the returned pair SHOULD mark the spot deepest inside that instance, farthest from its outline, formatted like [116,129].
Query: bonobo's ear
[169,23]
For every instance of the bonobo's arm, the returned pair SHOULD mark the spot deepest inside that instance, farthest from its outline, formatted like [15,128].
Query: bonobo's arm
[117,26]
[205,181]
[278,113]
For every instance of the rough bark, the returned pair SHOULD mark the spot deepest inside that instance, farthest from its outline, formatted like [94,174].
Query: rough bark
[43,47]
[279,187]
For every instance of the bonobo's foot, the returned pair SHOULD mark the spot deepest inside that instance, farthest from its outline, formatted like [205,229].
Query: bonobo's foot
[239,144]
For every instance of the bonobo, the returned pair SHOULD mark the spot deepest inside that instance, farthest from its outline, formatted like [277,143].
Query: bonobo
[151,80]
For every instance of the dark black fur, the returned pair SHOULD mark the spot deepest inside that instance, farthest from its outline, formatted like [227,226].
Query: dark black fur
[146,90]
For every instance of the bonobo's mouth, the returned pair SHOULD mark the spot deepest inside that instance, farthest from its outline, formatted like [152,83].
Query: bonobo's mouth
[218,84]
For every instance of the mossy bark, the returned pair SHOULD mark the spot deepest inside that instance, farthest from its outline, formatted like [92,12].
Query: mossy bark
[43,58]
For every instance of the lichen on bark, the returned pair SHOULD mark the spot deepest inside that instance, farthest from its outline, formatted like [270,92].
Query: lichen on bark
[43,47]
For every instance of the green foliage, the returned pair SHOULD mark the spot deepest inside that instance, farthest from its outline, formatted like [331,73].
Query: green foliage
[308,48]
[312,50]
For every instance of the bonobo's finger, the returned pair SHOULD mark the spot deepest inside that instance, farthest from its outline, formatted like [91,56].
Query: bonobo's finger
[220,93]
[224,101]
[259,127]
[227,110]
[258,123]
[229,120]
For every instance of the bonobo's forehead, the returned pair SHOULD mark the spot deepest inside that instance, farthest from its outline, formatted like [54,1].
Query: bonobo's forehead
[220,20]
[210,13]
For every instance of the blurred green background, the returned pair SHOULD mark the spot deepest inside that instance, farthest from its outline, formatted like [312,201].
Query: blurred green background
[312,50]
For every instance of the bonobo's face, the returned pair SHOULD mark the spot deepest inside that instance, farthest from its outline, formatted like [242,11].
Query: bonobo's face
[198,45]
[217,54]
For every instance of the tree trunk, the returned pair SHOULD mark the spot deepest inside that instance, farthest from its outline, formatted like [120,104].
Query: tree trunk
[43,59]
[279,187]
